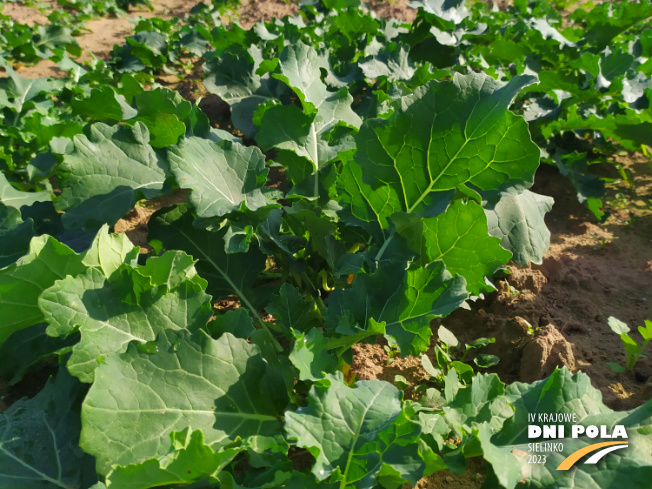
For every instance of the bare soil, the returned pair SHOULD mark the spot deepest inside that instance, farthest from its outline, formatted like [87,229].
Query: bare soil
[591,271]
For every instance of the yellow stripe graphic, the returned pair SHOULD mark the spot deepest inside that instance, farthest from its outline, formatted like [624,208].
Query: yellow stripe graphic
[575,456]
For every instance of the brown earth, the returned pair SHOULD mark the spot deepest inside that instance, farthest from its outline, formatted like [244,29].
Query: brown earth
[542,316]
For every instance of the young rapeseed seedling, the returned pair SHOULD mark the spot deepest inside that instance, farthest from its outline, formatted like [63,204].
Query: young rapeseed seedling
[632,348]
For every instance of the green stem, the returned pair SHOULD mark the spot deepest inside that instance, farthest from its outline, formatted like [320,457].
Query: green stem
[383,248]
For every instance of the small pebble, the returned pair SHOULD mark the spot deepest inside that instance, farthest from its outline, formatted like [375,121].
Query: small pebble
[449,479]
[641,375]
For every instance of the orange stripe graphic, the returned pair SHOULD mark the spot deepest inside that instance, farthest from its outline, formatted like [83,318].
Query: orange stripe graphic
[575,456]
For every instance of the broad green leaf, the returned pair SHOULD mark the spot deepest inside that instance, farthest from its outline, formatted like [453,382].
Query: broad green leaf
[108,318]
[458,237]
[52,36]
[169,269]
[304,131]
[507,469]
[16,91]
[166,129]
[450,10]
[232,75]
[455,133]
[615,64]
[292,310]
[237,322]
[216,386]
[452,135]
[109,251]
[39,439]
[354,432]
[298,64]
[311,357]
[106,173]
[223,177]
[481,403]
[188,460]
[392,61]
[49,260]
[518,220]
[104,104]
[605,22]
[164,112]
[406,300]
[15,235]
[227,274]
[22,283]
[24,350]
[485,360]
[11,197]
[367,207]
[152,103]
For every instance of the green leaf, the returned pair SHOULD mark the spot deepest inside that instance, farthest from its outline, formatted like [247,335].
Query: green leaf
[310,355]
[170,269]
[646,331]
[506,467]
[232,76]
[451,10]
[216,386]
[481,403]
[11,197]
[39,439]
[227,274]
[106,173]
[104,104]
[16,91]
[15,235]
[237,322]
[484,360]
[166,129]
[108,252]
[447,337]
[617,326]
[152,103]
[458,237]
[304,131]
[98,308]
[297,67]
[354,433]
[22,283]
[223,177]
[366,207]
[24,350]
[406,300]
[616,367]
[604,22]
[188,460]
[292,310]
[164,112]
[517,218]
[392,61]
[454,133]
